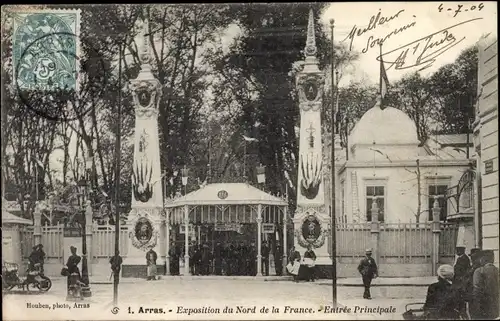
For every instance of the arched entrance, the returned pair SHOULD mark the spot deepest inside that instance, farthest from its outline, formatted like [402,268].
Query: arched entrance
[225,215]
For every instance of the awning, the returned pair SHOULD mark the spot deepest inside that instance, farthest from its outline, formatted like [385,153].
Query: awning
[228,194]
[8,218]
[227,202]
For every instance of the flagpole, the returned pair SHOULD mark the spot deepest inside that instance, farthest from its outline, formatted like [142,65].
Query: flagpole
[332,192]
[380,80]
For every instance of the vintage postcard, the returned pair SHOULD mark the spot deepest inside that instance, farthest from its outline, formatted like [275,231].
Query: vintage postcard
[250,161]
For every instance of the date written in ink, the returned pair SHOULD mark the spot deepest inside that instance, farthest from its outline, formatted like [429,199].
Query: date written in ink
[459,8]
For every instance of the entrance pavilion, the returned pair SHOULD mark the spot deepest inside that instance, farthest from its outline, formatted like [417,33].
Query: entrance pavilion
[226,207]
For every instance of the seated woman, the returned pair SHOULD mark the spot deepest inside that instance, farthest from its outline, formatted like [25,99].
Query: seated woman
[442,301]
[293,266]
[309,263]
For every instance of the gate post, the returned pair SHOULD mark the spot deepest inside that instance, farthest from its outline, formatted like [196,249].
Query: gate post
[436,231]
[285,240]
[375,231]
[89,231]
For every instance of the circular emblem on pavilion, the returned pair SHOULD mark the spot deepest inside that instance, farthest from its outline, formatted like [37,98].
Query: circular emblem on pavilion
[222,194]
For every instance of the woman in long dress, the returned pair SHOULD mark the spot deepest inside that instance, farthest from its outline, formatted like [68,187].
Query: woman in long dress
[151,257]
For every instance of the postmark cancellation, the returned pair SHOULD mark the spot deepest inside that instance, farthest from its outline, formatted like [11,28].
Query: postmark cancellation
[45,48]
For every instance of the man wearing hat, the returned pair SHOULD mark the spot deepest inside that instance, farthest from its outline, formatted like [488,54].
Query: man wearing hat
[368,269]
[485,292]
[462,265]
[72,265]
[37,256]
[443,301]
[461,269]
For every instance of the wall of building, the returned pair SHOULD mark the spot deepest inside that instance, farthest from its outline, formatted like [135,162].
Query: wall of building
[401,187]
[487,143]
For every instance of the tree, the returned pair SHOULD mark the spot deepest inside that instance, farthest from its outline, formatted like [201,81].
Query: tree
[413,94]
[455,93]
[257,73]
[354,101]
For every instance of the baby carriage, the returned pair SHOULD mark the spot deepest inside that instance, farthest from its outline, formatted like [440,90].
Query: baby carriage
[415,311]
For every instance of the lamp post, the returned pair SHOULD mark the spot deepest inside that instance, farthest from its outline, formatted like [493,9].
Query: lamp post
[332,201]
[185,174]
[82,200]
[261,175]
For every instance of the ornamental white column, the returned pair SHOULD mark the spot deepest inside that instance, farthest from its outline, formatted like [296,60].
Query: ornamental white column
[145,219]
[311,219]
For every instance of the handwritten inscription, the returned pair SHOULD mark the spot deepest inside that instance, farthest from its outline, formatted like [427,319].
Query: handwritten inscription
[375,20]
[424,51]
[460,8]
[372,42]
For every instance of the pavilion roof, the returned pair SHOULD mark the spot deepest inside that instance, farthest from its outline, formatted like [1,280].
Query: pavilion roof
[227,194]
[9,218]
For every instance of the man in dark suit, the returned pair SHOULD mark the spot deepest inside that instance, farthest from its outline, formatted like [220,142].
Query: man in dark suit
[197,259]
[368,270]
[252,260]
[206,257]
[264,251]
[218,254]
[461,272]
[116,263]
[278,259]
[462,265]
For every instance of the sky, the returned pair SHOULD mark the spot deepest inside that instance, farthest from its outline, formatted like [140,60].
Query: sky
[421,20]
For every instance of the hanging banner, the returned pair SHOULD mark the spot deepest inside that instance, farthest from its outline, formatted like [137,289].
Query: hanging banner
[267,228]
[220,227]
[182,229]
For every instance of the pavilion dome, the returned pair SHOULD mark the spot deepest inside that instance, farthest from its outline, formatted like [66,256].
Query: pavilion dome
[388,126]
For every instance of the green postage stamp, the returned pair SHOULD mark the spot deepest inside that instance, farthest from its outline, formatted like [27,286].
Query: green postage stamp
[45,49]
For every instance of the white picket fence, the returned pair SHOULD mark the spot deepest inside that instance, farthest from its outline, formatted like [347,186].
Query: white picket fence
[52,238]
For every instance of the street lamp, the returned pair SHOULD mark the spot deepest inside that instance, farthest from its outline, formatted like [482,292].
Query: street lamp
[82,202]
[185,174]
[261,174]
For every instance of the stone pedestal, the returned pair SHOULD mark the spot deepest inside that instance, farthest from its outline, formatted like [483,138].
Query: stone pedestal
[144,234]
[311,227]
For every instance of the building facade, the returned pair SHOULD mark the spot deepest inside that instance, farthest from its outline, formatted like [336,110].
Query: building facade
[386,163]
[486,146]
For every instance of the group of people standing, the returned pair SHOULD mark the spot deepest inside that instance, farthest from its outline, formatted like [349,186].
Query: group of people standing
[468,289]
[228,259]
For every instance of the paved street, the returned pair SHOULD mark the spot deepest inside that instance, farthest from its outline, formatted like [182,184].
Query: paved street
[197,299]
